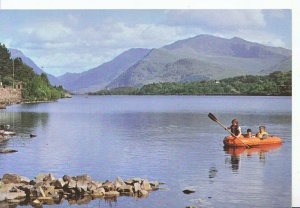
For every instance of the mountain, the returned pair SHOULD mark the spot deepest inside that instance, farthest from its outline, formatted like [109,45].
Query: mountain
[97,78]
[204,57]
[17,53]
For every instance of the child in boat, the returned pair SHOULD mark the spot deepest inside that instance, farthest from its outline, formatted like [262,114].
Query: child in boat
[235,128]
[262,134]
[249,133]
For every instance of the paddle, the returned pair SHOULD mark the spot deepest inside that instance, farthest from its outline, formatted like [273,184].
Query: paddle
[214,118]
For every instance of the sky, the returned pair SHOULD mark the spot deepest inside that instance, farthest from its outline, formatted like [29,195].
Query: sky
[61,41]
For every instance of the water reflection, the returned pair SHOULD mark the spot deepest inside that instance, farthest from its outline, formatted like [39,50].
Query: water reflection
[236,152]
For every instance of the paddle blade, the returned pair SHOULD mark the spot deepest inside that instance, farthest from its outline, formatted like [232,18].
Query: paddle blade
[212,117]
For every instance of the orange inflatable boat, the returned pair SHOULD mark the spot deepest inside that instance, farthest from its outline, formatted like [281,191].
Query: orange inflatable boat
[231,141]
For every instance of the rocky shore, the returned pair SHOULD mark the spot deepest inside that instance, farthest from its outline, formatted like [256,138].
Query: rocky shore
[46,189]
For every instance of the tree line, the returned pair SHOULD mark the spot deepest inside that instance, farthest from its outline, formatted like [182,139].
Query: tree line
[277,84]
[34,87]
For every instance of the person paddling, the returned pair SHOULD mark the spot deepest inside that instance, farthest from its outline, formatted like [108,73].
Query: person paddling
[235,128]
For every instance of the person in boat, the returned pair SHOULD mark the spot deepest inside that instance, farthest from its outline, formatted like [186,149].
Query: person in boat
[235,128]
[249,133]
[262,134]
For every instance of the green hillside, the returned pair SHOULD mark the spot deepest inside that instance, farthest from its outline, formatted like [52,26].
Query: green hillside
[34,87]
[276,83]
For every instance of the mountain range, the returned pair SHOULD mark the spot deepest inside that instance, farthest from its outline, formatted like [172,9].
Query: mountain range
[203,57]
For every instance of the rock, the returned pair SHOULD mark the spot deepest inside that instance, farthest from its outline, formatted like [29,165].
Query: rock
[66,178]
[108,186]
[99,192]
[3,139]
[137,187]
[15,195]
[50,191]
[188,191]
[36,202]
[133,180]
[32,182]
[58,183]
[82,186]
[125,189]
[32,135]
[146,185]
[112,194]
[2,197]
[25,180]
[92,186]
[45,177]
[45,189]
[5,151]
[154,184]
[142,193]
[118,182]
[11,178]
[71,184]
[47,200]
[41,192]
[84,177]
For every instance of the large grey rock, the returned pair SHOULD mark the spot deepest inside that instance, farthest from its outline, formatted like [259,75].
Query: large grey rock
[45,177]
[108,186]
[11,178]
[84,177]
[71,184]
[154,184]
[99,192]
[13,195]
[118,182]
[58,183]
[25,180]
[92,186]
[146,185]
[137,187]
[82,186]
[142,193]
[125,189]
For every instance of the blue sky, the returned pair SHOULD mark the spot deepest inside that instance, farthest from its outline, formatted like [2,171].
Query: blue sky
[63,41]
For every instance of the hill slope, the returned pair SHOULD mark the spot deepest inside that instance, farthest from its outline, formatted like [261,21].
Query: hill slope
[97,78]
[203,57]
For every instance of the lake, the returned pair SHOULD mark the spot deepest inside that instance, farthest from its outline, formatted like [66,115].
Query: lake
[164,138]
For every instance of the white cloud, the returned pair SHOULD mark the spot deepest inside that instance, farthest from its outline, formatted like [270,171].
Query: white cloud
[217,19]
[51,31]
[258,36]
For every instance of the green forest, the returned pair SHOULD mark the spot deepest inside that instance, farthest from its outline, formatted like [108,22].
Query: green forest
[277,83]
[34,87]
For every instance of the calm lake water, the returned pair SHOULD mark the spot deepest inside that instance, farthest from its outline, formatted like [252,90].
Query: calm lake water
[164,138]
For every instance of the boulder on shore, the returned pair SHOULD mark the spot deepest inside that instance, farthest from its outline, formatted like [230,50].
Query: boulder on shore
[46,189]
[5,151]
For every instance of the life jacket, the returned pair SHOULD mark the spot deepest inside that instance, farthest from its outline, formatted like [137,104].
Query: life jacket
[235,131]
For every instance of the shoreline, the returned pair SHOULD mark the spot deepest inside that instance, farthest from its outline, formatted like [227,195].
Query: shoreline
[4,105]
[227,95]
